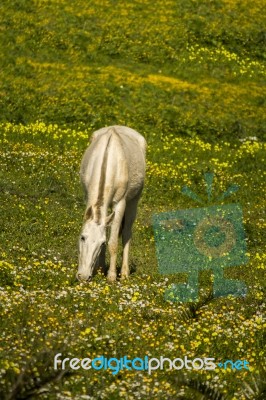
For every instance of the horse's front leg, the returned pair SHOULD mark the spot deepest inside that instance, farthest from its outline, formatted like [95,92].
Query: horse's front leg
[130,216]
[113,241]
[101,265]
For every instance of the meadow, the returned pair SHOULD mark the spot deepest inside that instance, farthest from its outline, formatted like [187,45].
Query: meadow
[190,77]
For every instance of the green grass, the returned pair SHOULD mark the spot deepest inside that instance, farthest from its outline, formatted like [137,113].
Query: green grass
[203,65]
[189,76]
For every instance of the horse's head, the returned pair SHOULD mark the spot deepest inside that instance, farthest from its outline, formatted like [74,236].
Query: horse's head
[91,241]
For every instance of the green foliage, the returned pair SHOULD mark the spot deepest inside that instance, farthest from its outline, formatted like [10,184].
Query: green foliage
[189,76]
[201,63]
[45,311]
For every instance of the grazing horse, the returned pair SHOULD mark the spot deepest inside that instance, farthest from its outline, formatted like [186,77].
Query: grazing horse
[112,174]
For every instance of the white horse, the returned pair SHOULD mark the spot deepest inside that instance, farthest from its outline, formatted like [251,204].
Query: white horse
[112,173]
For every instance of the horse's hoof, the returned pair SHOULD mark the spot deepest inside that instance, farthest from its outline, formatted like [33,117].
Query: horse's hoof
[111,277]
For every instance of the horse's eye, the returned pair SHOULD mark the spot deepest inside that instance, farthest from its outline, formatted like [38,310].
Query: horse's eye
[82,238]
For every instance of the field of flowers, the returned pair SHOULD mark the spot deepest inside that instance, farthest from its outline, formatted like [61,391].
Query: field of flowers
[202,63]
[189,76]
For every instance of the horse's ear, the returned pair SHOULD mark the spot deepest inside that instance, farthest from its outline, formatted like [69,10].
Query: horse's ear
[88,214]
[109,219]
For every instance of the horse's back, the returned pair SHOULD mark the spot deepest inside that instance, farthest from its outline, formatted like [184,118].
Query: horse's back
[120,152]
[125,133]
